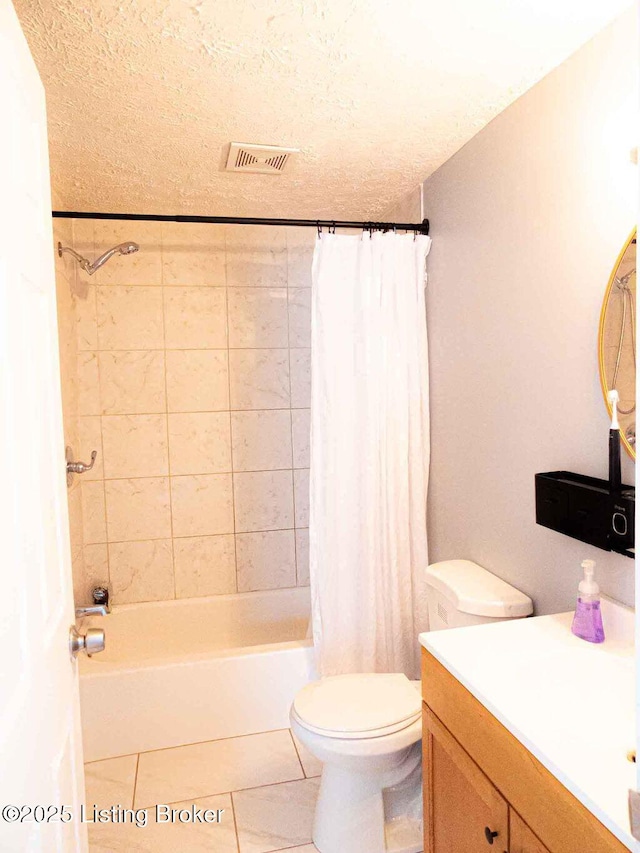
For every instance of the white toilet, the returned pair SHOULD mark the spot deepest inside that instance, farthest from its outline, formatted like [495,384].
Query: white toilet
[366,728]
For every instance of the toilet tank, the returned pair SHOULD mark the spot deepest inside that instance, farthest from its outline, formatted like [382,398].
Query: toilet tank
[461,593]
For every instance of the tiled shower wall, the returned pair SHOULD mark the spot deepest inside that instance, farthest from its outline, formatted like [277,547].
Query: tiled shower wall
[193,385]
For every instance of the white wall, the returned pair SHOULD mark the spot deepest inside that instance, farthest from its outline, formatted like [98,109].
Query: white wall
[527,220]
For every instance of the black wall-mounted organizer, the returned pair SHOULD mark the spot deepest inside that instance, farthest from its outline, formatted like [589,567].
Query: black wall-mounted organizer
[585,508]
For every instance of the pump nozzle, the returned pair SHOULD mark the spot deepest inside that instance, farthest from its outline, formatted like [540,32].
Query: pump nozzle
[588,585]
[589,568]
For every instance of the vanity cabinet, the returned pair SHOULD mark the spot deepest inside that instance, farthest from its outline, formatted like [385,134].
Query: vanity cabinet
[463,811]
[483,790]
[521,839]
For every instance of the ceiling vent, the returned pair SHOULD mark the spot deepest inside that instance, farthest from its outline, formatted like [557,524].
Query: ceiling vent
[261,159]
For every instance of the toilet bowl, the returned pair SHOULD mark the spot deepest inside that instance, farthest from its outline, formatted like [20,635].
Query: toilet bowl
[366,728]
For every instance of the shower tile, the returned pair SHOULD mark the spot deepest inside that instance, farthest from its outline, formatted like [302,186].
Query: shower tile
[310,764]
[256,256]
[89,439]
[135,446]
[81,589]
[83,235]
[263,501]
[266,560]
[259,379]
[143,267]
[205,565]
[302,556]
[261,440]
[197,380]
[199,443]
[130,318]
[141,571]
[86,318]
[258,317]
[110,782]
[258,238]
[300,246]
[202,505]
[193,254]
[132,382]
[94,520]
[300,316]
[92,570]
[300,378]
[301,486]
[88,384]
[275,816]
[138,509]
[195,317]
[301,431]
[168,837]
[96,567]
[76,536]
[169,775]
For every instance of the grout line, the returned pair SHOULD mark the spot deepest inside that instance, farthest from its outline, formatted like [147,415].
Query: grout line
[295,746]
[233,482]
[235,820]
[237,791]
[194,473]
[169,476]
[203,536]
[201,742]
[135,781]
[191,411]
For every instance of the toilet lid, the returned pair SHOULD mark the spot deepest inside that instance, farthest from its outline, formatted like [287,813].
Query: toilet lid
[357,705]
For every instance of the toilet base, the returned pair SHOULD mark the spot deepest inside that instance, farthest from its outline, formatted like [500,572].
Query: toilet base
[354,814]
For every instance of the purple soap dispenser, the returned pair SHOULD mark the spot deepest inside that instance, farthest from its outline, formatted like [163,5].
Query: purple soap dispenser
[587,622]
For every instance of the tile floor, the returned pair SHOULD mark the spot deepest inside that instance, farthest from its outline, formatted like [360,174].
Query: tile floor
[266,784]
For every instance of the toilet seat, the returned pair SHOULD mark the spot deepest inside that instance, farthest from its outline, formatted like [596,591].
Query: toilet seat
[358,707]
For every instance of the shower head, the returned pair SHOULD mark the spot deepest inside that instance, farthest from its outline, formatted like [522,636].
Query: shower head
[121,249]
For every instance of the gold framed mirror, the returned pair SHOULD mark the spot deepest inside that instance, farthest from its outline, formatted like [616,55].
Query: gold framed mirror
[617,341]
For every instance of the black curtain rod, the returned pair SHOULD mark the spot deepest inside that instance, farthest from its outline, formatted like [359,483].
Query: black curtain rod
[420,228]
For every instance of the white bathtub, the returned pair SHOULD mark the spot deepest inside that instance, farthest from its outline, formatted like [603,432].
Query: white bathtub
[176,672]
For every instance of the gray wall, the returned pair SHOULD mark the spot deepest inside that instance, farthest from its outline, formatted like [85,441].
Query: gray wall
[527,220]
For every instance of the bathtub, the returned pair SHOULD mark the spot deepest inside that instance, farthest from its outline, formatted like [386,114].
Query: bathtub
[177,672]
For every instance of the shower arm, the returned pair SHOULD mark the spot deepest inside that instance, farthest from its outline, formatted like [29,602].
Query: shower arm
[85,263]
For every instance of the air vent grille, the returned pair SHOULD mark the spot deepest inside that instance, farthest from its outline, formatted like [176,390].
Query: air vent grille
[260,159]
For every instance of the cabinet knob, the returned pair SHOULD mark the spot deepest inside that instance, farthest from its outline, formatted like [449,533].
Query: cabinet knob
[490,835]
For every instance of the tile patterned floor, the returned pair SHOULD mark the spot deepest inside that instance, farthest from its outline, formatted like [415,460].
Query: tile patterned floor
[266,785]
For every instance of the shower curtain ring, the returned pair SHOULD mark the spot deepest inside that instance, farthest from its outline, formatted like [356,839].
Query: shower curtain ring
[319,230]
[333,228]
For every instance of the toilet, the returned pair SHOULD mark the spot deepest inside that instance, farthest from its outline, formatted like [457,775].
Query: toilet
[366,728]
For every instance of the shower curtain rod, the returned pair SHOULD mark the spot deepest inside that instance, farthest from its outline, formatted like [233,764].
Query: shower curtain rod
[419,228]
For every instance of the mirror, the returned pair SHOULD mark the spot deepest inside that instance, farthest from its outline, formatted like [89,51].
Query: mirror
[617,341]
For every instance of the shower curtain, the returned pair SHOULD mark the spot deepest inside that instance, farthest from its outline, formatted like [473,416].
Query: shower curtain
[369,452]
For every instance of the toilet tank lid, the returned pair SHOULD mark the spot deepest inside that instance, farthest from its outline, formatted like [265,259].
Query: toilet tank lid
[474,590]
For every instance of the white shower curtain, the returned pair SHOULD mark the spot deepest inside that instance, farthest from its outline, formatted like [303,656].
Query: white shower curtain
[369,452]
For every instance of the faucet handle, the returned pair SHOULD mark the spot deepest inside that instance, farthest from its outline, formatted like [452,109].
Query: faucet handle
[93,610]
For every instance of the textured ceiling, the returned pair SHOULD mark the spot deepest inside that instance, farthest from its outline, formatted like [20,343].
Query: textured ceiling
[144,95]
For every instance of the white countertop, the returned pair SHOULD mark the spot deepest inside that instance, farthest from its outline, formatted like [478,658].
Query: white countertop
[571,703]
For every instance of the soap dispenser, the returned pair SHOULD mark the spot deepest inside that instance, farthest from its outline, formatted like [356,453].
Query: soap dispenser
[587,622]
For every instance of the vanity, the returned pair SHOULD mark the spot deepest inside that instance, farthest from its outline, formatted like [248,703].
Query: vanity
[527,737]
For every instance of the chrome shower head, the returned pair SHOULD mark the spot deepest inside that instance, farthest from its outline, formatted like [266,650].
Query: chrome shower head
[121,249]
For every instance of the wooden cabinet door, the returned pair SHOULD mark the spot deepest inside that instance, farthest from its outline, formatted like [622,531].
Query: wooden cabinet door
[463,812]
[522,839]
